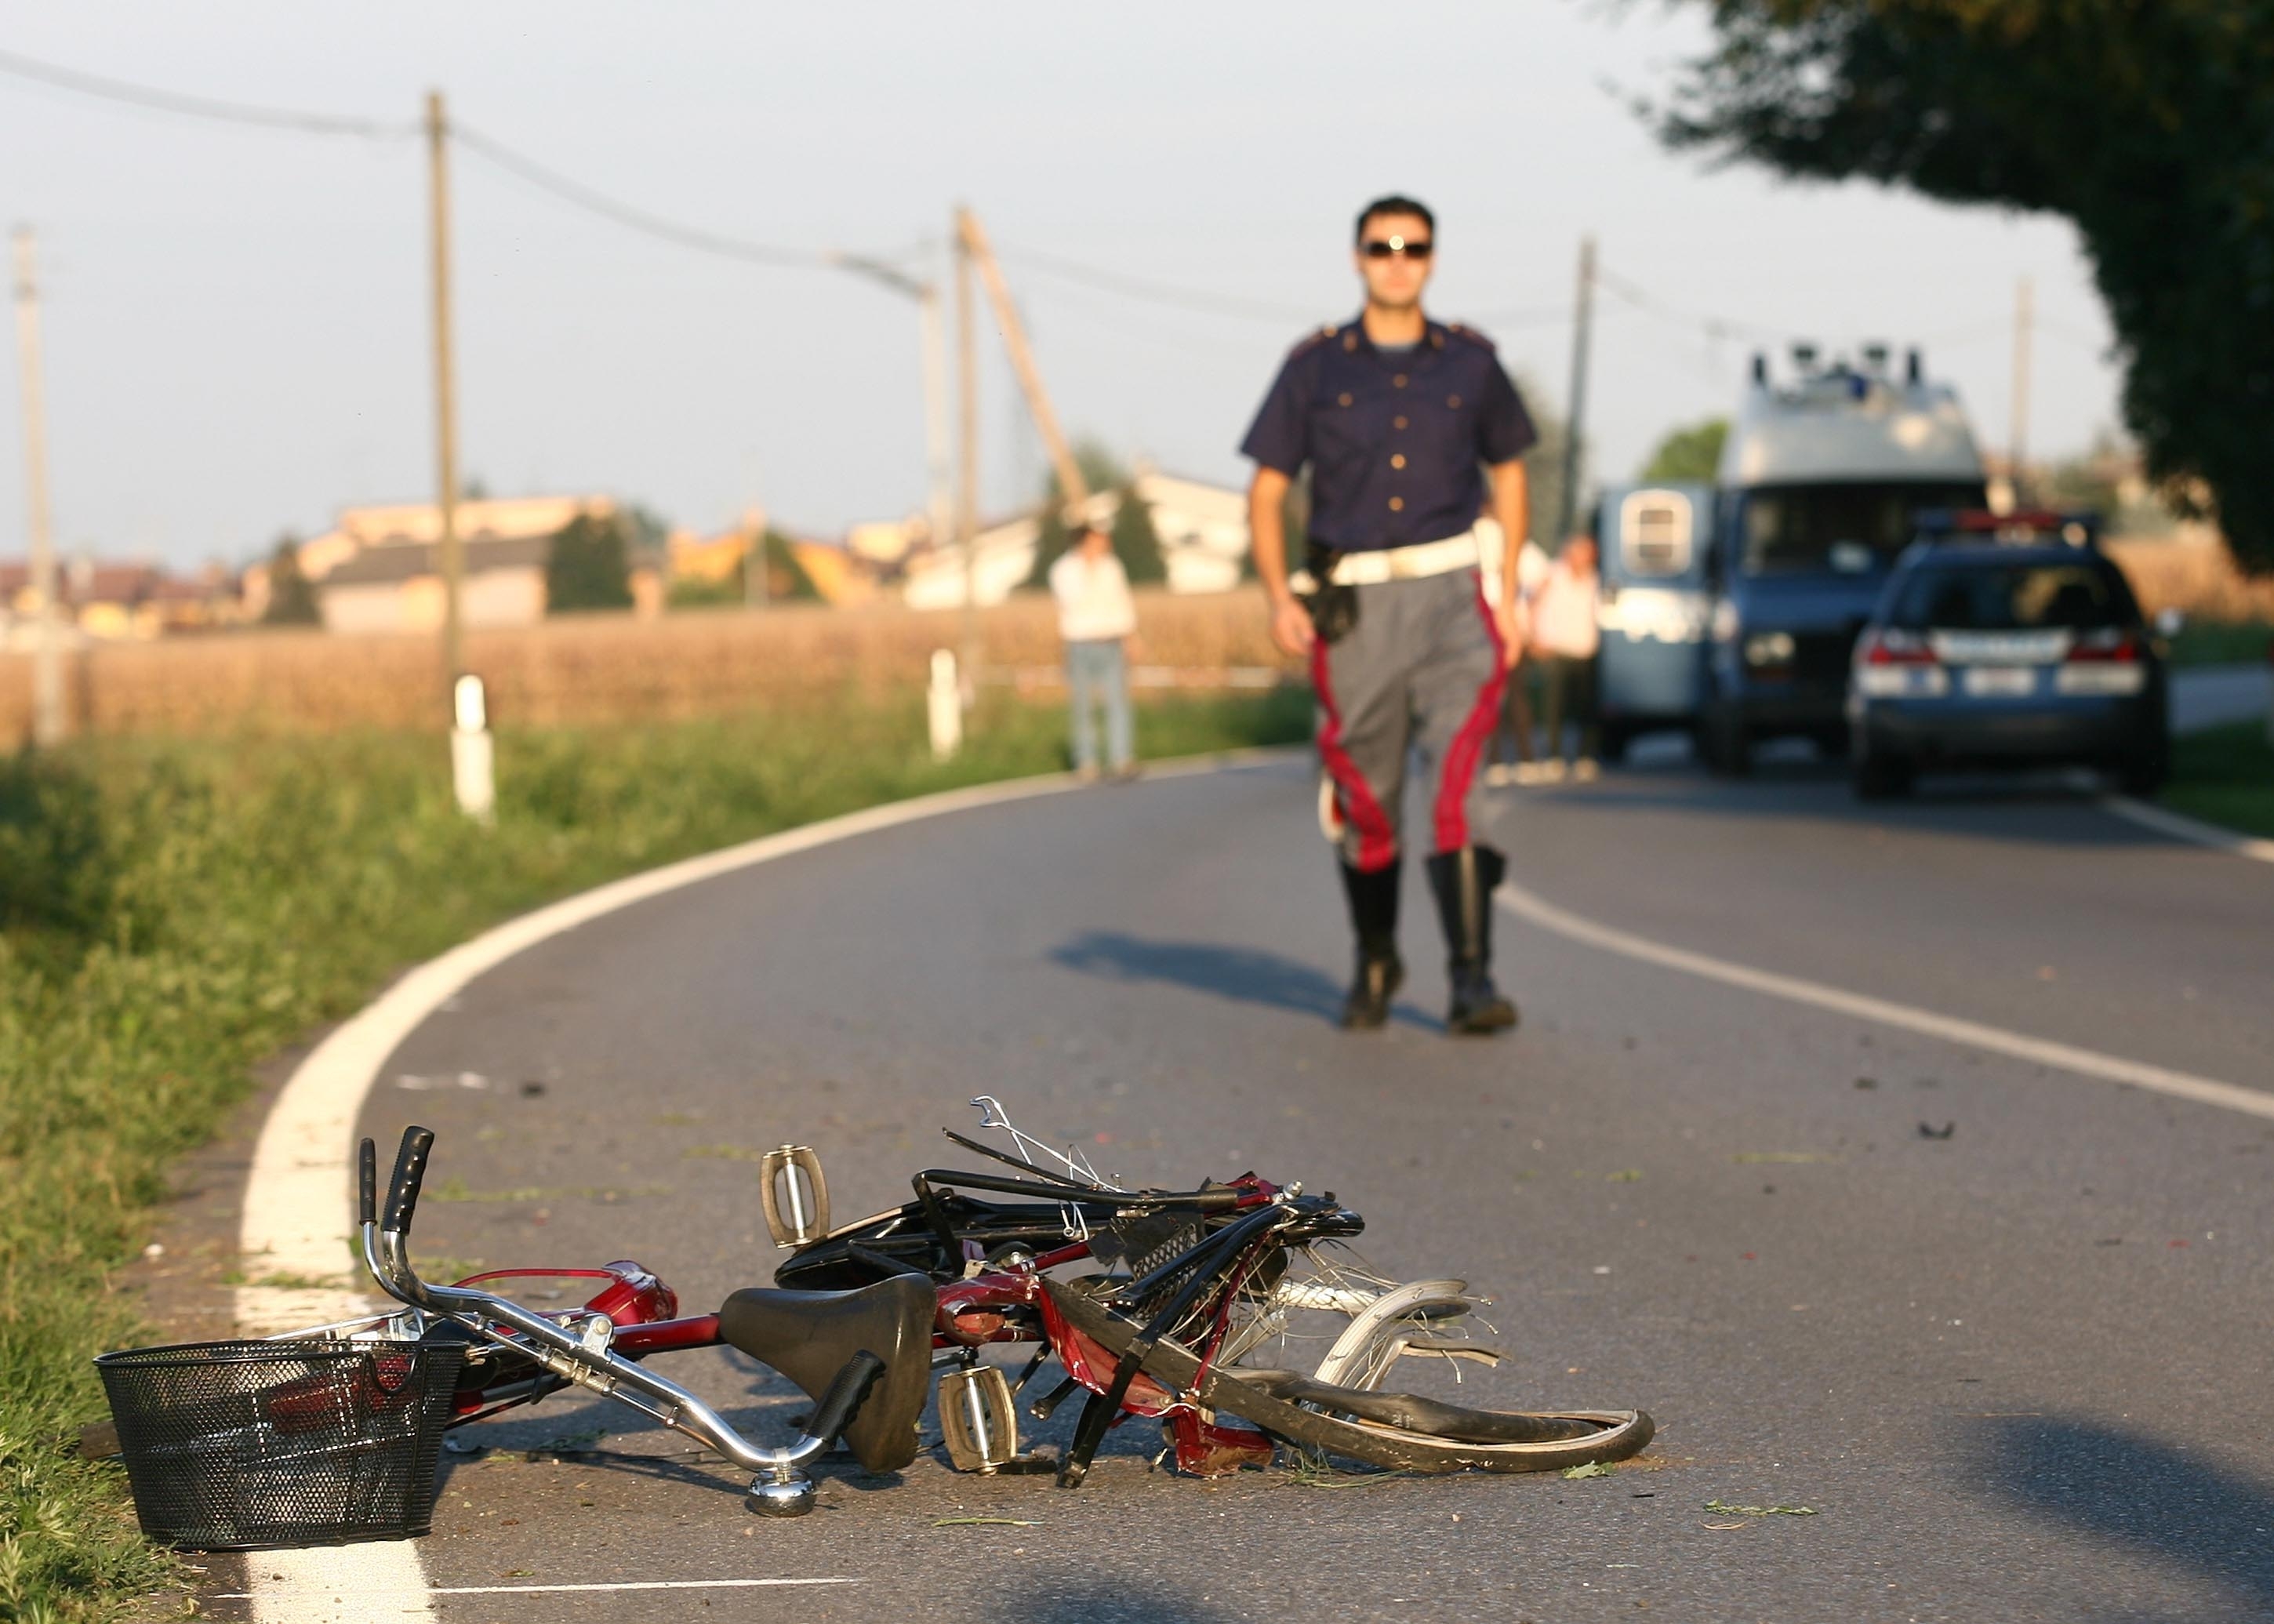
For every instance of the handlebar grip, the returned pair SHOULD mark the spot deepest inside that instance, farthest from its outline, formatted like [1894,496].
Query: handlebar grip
[838,1407]
[410,1173]
[367,1183]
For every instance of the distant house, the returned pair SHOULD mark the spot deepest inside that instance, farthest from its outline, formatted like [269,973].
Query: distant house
[1202,529]
[379,569]
[398,588]
[115,602]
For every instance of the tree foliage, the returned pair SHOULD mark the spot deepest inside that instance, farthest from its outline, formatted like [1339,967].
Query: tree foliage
[589,567]
[2149,123]
[291,598]
[1691,454]
[1135,542]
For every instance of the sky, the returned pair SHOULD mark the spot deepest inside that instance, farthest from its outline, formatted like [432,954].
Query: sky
[236,324]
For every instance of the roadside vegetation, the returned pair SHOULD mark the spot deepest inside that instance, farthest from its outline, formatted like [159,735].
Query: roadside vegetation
[2225,775]
[2224,642]
[171,913]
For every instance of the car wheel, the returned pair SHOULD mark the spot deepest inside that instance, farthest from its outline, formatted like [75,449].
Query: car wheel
[1613,745]
[1880,777]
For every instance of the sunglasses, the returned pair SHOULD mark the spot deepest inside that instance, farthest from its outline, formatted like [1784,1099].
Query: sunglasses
[1392,247]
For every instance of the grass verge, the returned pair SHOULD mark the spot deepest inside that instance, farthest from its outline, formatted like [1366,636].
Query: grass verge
[170,912]
[2221,643]
[2225,775]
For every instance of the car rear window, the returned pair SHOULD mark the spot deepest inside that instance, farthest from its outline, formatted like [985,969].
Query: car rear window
[2086,596]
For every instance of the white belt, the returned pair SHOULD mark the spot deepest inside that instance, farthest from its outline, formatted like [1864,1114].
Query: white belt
[1425,557]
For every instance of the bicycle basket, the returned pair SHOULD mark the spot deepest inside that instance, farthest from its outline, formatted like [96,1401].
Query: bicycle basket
[237,1446]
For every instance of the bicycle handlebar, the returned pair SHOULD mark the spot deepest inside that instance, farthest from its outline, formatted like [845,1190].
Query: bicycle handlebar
[410,1173]
[367,1183]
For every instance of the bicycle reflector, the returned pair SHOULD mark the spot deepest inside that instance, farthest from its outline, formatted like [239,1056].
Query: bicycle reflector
[977,1420]
[794,1195]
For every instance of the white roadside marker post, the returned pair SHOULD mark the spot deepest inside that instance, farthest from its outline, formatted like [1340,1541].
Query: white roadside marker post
[473,763]
[943,703]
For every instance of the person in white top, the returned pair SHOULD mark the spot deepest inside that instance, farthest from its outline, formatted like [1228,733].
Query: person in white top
[1565,632]
[1097,618]
[1532,568]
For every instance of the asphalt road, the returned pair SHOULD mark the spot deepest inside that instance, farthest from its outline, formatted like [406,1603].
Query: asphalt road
[2018,1371]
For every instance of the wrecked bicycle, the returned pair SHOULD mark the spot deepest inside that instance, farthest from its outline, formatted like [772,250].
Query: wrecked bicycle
[1180,1306]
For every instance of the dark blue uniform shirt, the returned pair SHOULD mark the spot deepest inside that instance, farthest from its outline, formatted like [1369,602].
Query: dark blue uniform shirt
[1394,437]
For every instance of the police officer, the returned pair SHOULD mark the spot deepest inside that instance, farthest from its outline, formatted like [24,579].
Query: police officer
[1402,421]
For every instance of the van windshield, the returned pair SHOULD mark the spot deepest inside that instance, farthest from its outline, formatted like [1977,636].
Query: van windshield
[1850,529]
[2087,596]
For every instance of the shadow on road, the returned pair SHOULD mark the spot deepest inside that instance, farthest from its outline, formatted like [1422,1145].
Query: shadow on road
[2154,1498]
[1244,974]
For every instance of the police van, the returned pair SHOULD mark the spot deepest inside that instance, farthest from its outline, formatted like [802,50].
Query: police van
[1822,482]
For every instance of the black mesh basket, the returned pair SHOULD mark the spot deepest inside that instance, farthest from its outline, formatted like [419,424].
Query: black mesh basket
[236,1445]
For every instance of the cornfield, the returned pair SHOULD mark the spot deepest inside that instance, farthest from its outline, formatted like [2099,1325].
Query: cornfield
[595,669]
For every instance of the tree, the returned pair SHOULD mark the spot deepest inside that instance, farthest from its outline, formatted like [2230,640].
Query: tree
[589,567]
[291,600]
[1691,455]
[787,581]
[1543,468]
[1134,540]
[2149,123]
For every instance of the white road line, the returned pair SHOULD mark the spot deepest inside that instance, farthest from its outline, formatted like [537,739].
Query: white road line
[556,1590]
[2183,828]
[297,1215]
[2084,1061]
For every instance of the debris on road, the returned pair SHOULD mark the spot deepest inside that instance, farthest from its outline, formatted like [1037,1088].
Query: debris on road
[985,1522]
[1593,1468]
[1928,1131]
[1727,1510]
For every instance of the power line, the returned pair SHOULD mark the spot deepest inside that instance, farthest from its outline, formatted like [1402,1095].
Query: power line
[1158,292]
[200,107]
[1713,325]
[625,215]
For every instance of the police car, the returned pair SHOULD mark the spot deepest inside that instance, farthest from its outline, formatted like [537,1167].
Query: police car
[2006,640]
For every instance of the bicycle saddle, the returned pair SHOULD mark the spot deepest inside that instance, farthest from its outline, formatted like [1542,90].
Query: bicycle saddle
[808,1336]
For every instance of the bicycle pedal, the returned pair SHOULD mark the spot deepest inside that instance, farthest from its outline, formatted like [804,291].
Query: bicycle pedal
[978,1421]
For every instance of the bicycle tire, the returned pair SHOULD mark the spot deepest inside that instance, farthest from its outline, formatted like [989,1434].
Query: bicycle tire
[1590,1435]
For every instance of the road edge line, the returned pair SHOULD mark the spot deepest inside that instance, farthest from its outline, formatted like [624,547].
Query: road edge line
[299,1167]
[1949,1028]
[2179,826]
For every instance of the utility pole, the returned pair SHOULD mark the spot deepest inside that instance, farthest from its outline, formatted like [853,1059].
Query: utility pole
[758,578]
[47,653]
[446,393]
[967,493]
[940,504]
[1582,320]
[2017,439]
[1073,490]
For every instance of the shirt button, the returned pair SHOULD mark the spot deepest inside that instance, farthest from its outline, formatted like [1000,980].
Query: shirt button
[1398,381]
[1398,422]
[1398,460]
[1453,401]
[1397,504]
[1342,399]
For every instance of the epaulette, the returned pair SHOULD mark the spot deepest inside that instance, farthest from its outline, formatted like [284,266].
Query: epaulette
[1312,341]
[1471,335]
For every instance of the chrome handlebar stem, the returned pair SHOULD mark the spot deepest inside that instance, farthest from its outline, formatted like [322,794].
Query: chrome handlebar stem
[779,1487]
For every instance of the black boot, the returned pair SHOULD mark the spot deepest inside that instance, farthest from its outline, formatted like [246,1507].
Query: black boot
[1374,915]
[1464,881]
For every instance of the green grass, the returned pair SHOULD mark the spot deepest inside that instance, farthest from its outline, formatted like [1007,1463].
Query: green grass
[170,912]
[2221,643]
[2225,775]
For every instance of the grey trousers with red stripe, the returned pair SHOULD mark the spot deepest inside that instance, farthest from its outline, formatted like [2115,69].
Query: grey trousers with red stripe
[1422,668]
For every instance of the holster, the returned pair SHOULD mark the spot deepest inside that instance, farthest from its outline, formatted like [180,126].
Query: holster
[1332,606]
